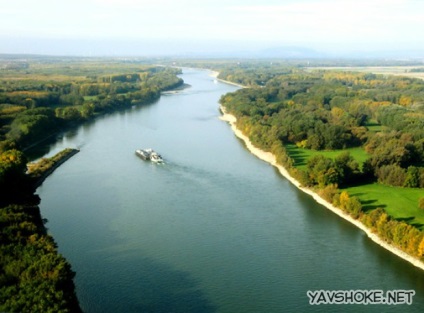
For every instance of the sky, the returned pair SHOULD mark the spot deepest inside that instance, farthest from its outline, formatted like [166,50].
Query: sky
[137,27]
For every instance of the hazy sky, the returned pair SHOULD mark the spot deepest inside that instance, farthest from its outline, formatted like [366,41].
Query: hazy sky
[318,24]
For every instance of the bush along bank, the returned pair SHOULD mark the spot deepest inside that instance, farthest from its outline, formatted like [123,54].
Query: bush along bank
[304,110]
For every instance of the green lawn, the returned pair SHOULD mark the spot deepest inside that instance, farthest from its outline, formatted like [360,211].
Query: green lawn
[90,98]
[374,127]
[301,155]
[400,203]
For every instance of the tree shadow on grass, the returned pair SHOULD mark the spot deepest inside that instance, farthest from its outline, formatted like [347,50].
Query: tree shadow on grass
[405,219]
[409,220]
[298,157]
[367,205]
[418,225]
[358,194]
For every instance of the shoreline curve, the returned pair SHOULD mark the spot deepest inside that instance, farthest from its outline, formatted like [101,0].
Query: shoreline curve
[270,158]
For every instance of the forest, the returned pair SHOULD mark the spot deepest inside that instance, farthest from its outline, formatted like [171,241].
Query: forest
[39,98]
[350,136]
[313,119]
[33,103]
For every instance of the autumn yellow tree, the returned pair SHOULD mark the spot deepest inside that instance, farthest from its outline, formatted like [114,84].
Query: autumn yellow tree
[420,252]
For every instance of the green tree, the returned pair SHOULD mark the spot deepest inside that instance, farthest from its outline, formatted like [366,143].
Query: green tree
[412,178]
[13,181]
[421,203]
[322,171]
[347,167]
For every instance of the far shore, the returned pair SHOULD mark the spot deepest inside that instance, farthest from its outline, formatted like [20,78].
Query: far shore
[176,90]
[215,75]
[270,158]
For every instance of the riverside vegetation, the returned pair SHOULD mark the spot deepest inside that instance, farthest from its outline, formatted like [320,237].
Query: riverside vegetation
[357,139]
[39,97]
[351,136]
[40,170]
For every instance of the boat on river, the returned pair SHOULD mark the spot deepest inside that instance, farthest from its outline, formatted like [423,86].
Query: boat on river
[149,155]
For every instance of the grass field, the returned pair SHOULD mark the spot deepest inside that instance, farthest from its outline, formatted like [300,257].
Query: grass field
[400,203]
[385,70]
[374,127]
[301,155]
[90,98]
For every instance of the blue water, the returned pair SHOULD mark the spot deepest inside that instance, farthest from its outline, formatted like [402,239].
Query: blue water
[214,229]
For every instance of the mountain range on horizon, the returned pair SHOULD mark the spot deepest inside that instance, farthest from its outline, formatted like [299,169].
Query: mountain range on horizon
[202,49]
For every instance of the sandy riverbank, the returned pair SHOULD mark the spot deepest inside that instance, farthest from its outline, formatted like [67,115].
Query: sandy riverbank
[270,158]
[215,74]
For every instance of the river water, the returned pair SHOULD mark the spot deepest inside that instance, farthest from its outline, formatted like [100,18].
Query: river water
[214,229]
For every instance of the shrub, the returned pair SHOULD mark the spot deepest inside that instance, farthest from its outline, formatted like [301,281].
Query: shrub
[421,203]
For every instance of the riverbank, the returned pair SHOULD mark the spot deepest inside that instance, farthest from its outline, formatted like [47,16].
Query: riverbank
[34,276]
[40,170]
[270,158]
[215,74]
[176,90]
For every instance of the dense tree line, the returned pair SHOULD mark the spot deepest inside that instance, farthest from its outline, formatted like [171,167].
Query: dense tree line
[398,233]
[34,277]
[31,110]
[332,110]
[324,110]
[252,76]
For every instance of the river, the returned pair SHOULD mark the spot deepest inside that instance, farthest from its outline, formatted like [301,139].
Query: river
[214,229]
